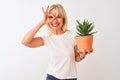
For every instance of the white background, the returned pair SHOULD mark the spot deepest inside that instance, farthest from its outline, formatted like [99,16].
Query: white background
[18,62]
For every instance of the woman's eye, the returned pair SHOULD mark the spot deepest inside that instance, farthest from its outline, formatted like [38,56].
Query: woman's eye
[50,17]
[59,17]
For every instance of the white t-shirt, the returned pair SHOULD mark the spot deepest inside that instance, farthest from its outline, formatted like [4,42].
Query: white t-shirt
[62,59]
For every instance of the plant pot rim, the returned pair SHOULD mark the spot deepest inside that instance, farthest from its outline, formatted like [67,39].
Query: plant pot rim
[83,36]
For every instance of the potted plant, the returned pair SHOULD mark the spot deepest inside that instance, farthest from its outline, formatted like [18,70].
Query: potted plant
[84,38]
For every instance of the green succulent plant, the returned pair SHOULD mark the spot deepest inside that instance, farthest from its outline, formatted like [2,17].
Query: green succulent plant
[85,28]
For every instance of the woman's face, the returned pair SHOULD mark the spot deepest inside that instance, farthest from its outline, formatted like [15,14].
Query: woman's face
[55,22]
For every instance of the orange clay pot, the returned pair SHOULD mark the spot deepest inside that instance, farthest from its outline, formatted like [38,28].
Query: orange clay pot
[84,42]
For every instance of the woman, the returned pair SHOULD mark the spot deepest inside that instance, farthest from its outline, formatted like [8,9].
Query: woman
[60,42]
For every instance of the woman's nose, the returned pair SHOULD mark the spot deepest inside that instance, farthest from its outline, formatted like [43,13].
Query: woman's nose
[54,19]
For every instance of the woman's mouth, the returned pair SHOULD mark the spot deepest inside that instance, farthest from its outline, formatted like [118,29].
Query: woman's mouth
[55,25]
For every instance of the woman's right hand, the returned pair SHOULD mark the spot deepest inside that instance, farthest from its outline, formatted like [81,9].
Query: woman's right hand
[45,16]
[46,12]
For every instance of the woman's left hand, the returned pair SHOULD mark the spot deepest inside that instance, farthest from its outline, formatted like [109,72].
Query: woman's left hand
[81,55]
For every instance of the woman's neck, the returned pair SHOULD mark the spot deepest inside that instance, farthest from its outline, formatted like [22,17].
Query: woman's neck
[58,32]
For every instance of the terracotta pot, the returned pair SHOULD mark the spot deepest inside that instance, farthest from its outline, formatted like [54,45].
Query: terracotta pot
[84,42]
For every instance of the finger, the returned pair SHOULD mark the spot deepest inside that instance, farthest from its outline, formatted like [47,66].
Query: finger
[92,50]
[88,51]
[43,10]
[76,49]
[77,58]
[75,46]
[83,52]
[82,57]
[50,9]
[47,9]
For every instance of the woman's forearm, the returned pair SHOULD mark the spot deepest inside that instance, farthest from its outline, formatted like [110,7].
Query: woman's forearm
[30,34]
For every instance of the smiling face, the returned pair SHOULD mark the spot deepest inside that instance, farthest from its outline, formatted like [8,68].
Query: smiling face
[57,19]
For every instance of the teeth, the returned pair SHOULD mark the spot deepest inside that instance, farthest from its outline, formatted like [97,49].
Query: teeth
[55,25]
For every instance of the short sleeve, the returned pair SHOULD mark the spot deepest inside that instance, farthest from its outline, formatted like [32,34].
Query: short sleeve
[45,38]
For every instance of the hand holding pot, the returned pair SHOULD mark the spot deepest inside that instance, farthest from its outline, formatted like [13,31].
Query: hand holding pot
[80,55]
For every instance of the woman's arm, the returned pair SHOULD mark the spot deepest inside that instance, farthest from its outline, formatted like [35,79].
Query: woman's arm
[29,40]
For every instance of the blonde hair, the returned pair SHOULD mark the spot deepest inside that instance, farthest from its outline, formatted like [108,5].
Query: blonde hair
[56,10]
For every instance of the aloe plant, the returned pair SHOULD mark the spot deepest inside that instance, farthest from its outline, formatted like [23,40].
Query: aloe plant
[85,28]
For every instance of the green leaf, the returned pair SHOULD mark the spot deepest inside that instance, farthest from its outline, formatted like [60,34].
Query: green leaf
[79,34]
[78,23]
[92,33]
[84,28]
[79,30]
